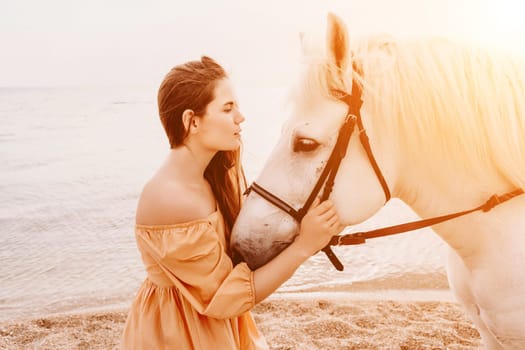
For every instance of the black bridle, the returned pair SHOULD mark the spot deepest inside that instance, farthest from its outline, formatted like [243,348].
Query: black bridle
[327,178]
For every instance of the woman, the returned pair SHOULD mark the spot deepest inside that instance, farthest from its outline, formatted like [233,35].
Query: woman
[194,297]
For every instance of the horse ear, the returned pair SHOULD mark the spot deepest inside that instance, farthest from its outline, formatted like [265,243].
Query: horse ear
[337,41]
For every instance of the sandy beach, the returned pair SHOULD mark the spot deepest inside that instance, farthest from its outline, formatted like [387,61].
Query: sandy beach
[301,321]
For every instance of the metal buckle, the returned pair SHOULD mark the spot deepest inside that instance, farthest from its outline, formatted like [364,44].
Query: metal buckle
[350,116]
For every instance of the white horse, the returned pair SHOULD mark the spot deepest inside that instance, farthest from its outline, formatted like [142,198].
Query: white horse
[446,124]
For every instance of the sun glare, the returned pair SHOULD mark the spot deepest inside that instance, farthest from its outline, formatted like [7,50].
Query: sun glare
[497,23]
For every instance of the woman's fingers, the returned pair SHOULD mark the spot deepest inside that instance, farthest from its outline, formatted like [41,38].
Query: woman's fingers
[322,208]
[325,214]
[335,226]
[333,220]
[329,214]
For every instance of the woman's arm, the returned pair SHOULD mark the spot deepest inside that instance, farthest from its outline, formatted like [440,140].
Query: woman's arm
[317,227]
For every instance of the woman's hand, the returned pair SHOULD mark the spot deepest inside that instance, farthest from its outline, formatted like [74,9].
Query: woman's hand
[318,226]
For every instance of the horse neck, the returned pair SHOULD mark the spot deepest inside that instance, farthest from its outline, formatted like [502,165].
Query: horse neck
[439,191]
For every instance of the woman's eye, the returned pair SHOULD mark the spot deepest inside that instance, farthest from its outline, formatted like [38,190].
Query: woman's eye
[228,107]
[304,145]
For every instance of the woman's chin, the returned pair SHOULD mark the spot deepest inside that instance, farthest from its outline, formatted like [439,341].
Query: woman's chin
[234,146]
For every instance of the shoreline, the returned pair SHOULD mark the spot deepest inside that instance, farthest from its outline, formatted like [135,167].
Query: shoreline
[390,319]
[399,295]
[332,294]
[414,286]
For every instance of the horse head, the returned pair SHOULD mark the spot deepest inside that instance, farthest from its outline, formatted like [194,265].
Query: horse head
[308,139]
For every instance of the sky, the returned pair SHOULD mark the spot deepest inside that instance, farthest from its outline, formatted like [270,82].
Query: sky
[135,42]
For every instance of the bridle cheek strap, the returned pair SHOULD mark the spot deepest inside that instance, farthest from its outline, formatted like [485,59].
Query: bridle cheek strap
[327,177]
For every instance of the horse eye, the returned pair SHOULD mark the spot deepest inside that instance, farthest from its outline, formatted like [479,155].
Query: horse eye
[304,145]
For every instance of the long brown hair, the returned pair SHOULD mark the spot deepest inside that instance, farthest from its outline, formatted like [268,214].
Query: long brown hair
[191,86]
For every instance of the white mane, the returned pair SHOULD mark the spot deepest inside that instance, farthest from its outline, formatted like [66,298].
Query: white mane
[448,102]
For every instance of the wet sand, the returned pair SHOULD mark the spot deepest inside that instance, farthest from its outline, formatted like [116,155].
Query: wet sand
[406,320]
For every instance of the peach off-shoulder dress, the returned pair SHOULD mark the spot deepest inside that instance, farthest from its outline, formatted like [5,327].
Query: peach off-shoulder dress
[193,296]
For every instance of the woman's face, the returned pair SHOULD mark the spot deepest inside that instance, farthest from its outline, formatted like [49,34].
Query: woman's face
[219,128]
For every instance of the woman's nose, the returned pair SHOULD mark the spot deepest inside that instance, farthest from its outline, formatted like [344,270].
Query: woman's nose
[239,117]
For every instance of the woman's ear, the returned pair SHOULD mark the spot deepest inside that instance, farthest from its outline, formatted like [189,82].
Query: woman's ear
[188,119]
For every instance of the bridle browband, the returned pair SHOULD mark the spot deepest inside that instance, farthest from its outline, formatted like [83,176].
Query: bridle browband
[327,178]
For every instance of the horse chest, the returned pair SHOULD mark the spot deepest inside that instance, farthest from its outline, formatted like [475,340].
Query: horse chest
[490,286]
[494,297]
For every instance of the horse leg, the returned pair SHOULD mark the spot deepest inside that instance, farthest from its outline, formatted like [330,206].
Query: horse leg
[458,278]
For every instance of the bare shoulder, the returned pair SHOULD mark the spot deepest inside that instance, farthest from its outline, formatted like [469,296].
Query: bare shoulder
[165,202]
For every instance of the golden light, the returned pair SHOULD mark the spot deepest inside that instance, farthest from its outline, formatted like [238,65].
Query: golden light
[498,23]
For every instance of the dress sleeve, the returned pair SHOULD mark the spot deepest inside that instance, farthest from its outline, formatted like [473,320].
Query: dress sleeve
[194,259]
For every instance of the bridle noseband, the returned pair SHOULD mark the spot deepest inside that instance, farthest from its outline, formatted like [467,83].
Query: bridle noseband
[327,177]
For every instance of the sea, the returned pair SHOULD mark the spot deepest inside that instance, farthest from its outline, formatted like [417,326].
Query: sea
[72,165]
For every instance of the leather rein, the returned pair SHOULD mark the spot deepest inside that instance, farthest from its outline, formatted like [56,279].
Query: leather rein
[327,178]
